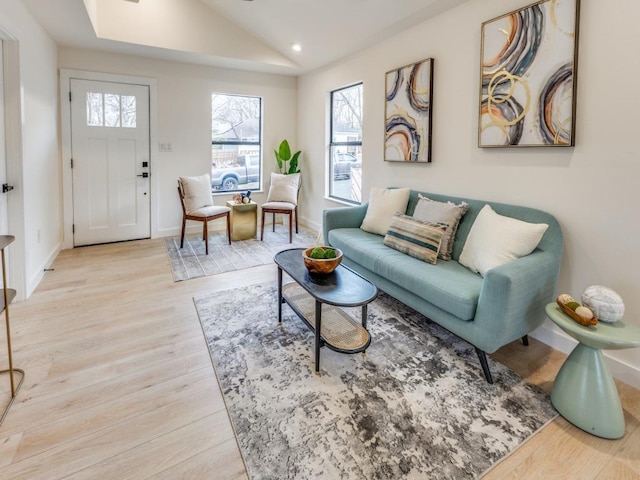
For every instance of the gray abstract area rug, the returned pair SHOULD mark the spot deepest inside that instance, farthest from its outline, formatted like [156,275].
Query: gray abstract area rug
[192,261]
[416,407]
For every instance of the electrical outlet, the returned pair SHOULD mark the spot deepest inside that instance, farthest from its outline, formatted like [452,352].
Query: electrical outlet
[166,147]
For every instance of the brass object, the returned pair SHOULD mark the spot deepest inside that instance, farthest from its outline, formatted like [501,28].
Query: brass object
[8,295]
[244,220]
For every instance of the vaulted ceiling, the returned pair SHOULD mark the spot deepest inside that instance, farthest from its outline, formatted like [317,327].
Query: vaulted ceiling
[247,34]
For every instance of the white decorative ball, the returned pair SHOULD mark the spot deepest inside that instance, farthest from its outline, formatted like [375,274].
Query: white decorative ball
[605,304]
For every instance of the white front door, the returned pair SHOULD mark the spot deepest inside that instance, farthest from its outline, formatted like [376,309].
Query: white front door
[110,161]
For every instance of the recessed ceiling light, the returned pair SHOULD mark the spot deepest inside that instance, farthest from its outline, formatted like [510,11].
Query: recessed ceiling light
[296,47]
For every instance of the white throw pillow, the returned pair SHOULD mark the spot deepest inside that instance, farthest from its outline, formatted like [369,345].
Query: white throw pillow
[383,203]
[284,188]
[495,240]
[197,192]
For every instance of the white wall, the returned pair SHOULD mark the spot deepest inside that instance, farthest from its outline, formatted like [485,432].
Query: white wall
[593,189]
[184,119]
[40,185]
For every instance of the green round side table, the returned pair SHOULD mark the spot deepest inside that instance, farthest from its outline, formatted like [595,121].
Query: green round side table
[584,391]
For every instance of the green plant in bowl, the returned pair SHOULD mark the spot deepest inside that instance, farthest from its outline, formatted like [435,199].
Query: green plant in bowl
[321,259]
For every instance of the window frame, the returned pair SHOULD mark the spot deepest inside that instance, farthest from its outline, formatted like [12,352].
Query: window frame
[333,144]
[239,143]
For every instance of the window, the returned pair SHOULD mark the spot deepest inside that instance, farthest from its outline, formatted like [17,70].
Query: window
[236,142]
[345,152]
[111,110]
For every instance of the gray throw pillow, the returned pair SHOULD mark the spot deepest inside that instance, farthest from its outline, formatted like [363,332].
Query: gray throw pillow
[441,214]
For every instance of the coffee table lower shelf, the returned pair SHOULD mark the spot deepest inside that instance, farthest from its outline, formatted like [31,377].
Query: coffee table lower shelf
[338,331]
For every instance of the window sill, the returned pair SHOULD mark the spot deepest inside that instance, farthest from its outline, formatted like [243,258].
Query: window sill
[342,201]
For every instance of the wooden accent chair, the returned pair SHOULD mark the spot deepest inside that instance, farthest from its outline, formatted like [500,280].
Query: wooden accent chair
[197,204]
[283,199]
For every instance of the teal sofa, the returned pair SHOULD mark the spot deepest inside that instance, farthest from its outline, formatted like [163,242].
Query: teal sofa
[488,312]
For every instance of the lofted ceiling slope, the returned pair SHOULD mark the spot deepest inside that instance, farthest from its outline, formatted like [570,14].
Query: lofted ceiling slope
[252,35]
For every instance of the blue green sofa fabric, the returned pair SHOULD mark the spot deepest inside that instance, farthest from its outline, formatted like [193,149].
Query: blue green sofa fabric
[488,312]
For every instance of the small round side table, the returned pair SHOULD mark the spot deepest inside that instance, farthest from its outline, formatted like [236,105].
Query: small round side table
[584,391]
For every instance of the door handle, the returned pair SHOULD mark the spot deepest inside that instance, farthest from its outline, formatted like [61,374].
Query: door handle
[6,187]
[144,175]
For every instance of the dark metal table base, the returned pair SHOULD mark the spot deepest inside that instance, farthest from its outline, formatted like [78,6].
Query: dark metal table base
[343,288]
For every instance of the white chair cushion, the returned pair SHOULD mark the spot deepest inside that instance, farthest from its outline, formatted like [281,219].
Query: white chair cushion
[383,203]
[278,205]
[284,188]
[209,211]
[197,192]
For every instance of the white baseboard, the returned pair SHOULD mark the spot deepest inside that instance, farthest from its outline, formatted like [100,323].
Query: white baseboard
[37,277]
[551,335]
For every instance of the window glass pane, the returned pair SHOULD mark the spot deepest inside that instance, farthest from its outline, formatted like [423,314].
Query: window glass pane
[235,168]
[235,118]
[111,110]
[128,111]
[236,146]
[346,181]
[345,153]
[346,118]
[94,110]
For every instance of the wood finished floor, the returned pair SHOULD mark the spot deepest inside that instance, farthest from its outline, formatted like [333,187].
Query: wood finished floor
[119,382]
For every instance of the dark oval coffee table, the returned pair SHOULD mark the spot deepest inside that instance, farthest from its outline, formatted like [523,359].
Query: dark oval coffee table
[341,288]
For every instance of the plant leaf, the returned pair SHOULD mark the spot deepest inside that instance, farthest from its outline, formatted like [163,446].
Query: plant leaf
[285,151]
[293,166]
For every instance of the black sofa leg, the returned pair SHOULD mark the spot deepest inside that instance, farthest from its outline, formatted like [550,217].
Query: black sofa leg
[485,365]
[525,340]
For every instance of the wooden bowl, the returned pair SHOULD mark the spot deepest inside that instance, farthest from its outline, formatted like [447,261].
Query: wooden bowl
[578,318]
[321,265]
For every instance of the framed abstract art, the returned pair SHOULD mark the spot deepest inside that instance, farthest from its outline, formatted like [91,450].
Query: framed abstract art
[409,98]
[528,76]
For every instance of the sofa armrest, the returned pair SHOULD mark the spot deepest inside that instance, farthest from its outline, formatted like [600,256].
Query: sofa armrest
[342,217]
[513,297]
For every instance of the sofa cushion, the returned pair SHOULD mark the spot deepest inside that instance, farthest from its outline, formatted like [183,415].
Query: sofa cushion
[418,239]
[448,285]
[496,239]
[383,203]
[446,214]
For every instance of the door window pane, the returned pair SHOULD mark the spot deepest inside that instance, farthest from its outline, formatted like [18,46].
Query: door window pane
[95,110]
[111,110]
[128,111]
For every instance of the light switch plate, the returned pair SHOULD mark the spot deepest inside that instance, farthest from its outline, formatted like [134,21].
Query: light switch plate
[166,147]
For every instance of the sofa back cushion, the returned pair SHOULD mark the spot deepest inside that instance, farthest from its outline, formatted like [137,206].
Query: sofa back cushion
[551,240]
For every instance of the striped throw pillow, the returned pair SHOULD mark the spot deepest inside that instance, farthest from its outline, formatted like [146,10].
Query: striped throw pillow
[418,239]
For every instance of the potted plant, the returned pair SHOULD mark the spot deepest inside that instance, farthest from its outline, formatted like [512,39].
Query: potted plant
[283,156]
